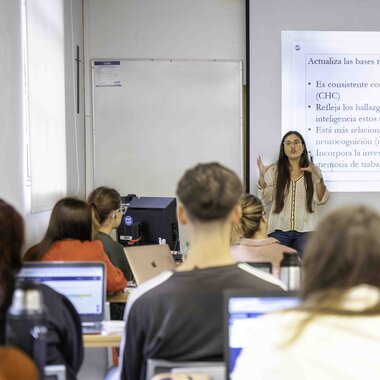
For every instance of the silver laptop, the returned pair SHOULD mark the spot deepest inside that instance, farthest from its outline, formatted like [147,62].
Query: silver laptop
[147,261]
[83,283]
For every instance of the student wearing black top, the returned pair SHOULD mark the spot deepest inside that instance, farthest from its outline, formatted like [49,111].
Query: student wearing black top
[178,315]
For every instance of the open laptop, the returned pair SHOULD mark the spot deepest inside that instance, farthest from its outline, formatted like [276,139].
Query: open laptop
[83,283]
[147,261]
[241,307]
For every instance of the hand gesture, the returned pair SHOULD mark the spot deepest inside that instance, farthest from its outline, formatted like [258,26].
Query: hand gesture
[311,169]
[263,168]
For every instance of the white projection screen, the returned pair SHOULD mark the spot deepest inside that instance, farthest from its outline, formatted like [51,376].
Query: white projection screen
[315,67]
[331,94]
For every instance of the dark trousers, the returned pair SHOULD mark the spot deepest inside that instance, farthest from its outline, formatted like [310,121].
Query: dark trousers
[293,239]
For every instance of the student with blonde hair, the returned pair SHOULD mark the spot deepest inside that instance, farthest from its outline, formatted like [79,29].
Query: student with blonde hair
[335,332]
[250,238]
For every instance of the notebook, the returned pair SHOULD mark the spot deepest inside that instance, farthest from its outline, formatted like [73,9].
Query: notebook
[83,283]
[241,307]
[147,261]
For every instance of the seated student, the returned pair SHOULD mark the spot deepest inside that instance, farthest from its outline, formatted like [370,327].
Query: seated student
[107,213]
[178,315]
[252,243]
[68,238]
[335,333]
[64,337]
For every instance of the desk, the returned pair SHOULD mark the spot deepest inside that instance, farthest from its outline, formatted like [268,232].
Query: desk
[120,297]
[100,340]
[110,336]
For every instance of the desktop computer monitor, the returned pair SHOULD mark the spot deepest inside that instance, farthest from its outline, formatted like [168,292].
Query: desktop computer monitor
[148,220]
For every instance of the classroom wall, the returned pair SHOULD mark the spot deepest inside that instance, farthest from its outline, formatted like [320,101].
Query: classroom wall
[268,19]
[115,28]
[182,29]
[75,135]
[12,152]
[12,188]
[178,29]
[194,29]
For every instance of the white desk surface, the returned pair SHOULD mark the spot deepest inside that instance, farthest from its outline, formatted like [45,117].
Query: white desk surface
[110,336]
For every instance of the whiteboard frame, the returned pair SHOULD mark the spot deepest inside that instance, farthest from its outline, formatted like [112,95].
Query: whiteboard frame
[94,111]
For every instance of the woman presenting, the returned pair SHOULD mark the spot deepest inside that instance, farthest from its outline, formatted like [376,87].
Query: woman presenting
[294,187]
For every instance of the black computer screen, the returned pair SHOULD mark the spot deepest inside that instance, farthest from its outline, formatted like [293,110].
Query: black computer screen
[149,220]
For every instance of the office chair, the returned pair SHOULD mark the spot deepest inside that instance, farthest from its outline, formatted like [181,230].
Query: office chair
[55,372]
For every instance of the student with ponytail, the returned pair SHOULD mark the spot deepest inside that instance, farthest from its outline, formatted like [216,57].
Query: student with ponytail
[251,242]
[107,213]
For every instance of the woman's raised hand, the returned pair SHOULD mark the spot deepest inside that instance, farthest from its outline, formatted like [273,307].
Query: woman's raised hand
[263,168]
[311,169]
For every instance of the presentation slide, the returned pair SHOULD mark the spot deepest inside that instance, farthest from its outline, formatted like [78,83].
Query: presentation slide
[331,94]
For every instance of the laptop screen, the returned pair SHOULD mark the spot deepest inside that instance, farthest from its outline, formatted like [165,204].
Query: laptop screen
[147,261]
[82,283]
[241,308]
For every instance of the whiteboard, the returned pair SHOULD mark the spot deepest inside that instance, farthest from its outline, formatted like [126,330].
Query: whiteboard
[153,119]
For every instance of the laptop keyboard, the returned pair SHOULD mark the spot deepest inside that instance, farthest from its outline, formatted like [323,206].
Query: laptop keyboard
[91,328]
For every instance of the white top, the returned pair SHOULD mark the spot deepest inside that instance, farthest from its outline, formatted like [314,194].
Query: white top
[294,215]
[329,348]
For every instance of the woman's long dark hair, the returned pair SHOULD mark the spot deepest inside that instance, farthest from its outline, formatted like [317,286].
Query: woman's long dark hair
[283,175]
[70,219]
[11,241]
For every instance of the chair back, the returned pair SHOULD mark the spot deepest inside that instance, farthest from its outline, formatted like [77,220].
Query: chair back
[55,372]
